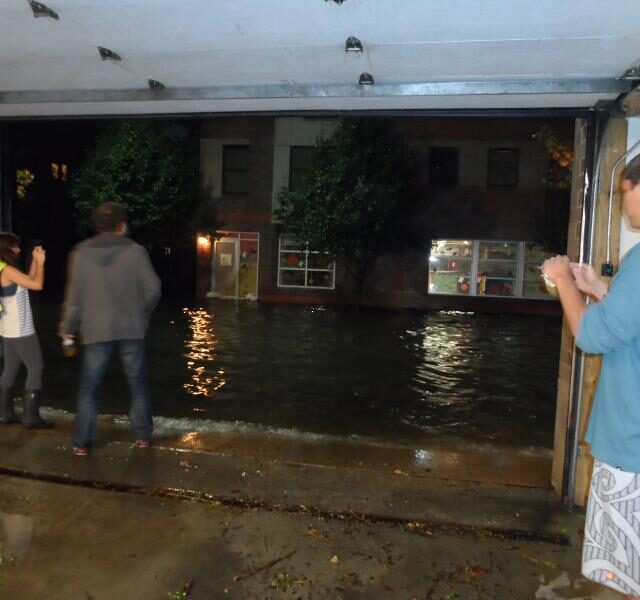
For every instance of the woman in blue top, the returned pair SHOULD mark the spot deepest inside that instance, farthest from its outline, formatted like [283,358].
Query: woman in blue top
[610,327]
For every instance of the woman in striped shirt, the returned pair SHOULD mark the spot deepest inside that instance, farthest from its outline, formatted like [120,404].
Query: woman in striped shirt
[21,344]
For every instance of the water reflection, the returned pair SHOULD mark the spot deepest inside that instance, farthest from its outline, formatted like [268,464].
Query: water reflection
[201,354]
[423,458]
[192,440]
[397,376]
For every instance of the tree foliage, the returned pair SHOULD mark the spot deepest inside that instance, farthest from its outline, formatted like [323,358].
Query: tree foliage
[551,221]
[352,201]
[149,166]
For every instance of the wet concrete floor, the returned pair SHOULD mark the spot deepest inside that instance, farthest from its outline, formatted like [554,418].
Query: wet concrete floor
[205,517]
[67,543]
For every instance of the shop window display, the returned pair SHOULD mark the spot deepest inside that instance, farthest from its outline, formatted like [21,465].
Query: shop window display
[500,269]
[300,267]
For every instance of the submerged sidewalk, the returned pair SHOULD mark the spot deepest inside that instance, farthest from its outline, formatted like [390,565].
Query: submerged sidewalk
[325,475]
[253,517]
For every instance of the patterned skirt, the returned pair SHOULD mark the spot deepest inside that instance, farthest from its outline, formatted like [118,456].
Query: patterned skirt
[611,551]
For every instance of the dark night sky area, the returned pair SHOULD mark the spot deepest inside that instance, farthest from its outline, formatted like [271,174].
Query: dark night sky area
[46,212]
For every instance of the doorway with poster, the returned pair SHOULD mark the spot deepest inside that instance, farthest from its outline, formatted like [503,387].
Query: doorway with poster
[235,265]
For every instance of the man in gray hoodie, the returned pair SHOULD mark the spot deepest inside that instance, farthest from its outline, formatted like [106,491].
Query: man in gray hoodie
[111,292]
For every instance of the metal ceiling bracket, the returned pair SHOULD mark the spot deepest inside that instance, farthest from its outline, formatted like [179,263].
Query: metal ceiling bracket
[353,44]
[42,10]
[106,54]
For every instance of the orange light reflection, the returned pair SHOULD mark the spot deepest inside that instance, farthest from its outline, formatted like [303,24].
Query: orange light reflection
[200,353]
[192,440]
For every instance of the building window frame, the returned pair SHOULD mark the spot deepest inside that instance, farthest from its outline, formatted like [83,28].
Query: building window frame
[235,179]
[487,268]
[296,172]
[502,167]
[301,268]
[444,164]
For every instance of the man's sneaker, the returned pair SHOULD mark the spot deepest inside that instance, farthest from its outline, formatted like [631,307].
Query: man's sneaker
[143,443]
[80,451]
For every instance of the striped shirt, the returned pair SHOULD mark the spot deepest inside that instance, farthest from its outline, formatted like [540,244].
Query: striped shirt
[16,319]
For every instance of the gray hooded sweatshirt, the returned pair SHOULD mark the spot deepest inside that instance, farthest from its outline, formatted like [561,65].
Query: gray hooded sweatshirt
[111,290]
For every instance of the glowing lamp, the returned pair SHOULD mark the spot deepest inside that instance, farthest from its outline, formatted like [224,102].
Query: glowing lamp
[203,242]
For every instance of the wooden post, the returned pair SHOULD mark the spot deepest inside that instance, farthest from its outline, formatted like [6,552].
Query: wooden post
[613,146]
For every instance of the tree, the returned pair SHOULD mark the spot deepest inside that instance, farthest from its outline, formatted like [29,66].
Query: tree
[352,202]
[551,222]
[150,166]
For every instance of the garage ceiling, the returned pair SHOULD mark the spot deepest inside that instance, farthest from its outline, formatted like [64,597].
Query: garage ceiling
[289,55]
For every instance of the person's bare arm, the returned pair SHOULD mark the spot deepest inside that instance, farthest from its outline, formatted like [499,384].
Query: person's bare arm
[31,281]
[13,275]
[32,266]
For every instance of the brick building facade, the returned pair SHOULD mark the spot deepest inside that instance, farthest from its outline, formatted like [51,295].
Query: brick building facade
[478,178]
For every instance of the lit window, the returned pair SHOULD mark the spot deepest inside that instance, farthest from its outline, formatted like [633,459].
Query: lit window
[58,171]
[24,178]
[491,268]
[303,268]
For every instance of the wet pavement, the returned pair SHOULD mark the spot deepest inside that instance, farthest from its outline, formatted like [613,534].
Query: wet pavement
[235,516]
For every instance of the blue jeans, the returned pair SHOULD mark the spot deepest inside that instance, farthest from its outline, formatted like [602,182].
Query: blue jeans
[94,364]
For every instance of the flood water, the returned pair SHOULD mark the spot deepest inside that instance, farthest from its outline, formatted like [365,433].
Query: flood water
[393,376]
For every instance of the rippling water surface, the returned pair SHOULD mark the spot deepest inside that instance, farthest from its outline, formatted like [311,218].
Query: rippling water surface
[398,376]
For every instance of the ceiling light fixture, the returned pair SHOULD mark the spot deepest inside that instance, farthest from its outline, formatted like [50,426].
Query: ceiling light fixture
[155,85]
[41,10]
[353,44]
[366,79]
[106,54]
[336,1]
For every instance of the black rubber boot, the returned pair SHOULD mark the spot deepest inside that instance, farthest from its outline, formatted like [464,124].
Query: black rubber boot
[31,411]
[7,410]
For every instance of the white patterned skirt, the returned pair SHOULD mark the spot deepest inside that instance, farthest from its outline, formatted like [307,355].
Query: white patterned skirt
[611,551]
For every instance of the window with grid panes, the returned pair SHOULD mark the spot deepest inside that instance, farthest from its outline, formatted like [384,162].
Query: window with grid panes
[502,170]
[300,267]
[235,170]
[300,159]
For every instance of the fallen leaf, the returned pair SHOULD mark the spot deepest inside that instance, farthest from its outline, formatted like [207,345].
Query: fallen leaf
[282,581]
[400,472]
[478,571]
[313,532]
[334,559]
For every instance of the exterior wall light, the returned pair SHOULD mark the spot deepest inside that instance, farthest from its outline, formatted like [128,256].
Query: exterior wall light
[204,242]
[106,54]
[155,85]
[366,79]
[41,10]
[353,44]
